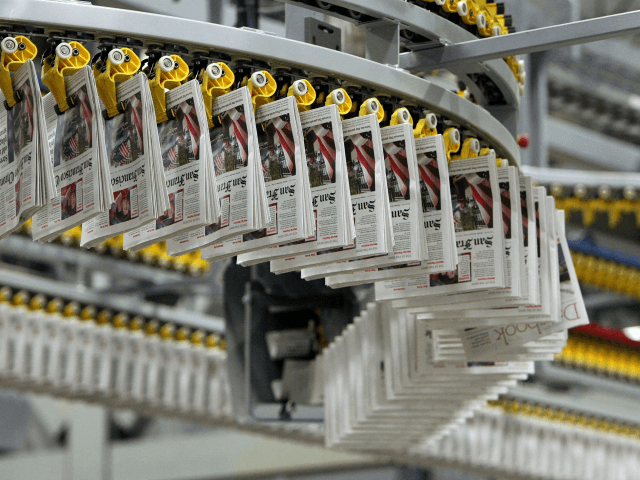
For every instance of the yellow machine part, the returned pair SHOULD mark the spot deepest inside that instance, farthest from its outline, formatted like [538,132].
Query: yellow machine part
[470,149]
[64,66]
[450,6]
[118,69]
[451,137]
[11,62]
[341,98]
[426,126]
[401,115]
[261,92]
[213,85]
[166,77]
[306,99]
[371,105]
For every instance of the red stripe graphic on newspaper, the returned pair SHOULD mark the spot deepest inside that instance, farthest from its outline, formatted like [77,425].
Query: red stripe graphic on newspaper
[193,126]
[87,114]
[398,162]
[481,191]
[506,210]
[364,150]
[240,130]
[431,177]
[285,138]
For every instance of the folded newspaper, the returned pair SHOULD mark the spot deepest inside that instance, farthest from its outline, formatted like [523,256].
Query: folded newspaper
[26,173]
[331,199]
[79,157]
[286,181]
[135,164]
[188,171]
[239,180]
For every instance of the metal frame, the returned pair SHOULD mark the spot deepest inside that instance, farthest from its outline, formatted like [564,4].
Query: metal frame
[199,36]
[438,30]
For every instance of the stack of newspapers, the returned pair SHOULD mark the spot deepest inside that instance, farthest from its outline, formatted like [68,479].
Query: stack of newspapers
[26,174]
[79,159]
[136,172]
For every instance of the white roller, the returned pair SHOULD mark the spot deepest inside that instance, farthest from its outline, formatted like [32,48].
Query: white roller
[481,20]
[64,51]
[9,45]
[431,120]
[520,66]
[259,79]
[337,97]
[463,8]
[300,87]
[440,2]
[474,146]
[604,192]
[371,106]
[454,136]
[116,56]
[214,71]
[166,63]
[504,163]
[496,31]
[323,5]
[580,190]
[629,192]
[403,116]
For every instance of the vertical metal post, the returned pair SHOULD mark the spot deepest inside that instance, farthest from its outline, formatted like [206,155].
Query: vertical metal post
[535,107]
[88,453]
[383,43]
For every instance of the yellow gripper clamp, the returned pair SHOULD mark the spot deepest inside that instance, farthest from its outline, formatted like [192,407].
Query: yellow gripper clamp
[470,149]
[304,92]
[426,126]
[15,52]
[121,65]
[262,86]
[68,59]
[401,116]
[341,98]
[169,72]
[371,106]
[217,79]
[451,137]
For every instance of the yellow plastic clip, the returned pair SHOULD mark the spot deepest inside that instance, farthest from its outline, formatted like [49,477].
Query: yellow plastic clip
[262,87]
[304,92]
[450,6]
[20,299]
[69,58]
[169,72]
[371,106]
[470,149]
[401,116]
[55,305]
[426,126]
[120,66]
[487,151]
[38,302]
[121,320]
[341,98]
[71,309]
[182,335]
[15,52]
[451,137]
[217,79]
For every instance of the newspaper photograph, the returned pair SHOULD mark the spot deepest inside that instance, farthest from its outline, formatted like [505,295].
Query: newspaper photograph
[477,212]
[184,160]
[78,157]
[233,149]
[281,156]
[129,165]
[367,185]
[324,153]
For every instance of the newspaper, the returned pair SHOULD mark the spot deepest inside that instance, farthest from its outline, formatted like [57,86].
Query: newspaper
[437,217]
[483,342]
[403,186]
[369,198]
[135,165]
[79,157]
[531,285]
[236,154]
[26,174]
[186,160]
[479,237]
[326,164]
[286,181]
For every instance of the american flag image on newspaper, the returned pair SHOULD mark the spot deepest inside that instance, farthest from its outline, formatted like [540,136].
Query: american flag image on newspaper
[430,178]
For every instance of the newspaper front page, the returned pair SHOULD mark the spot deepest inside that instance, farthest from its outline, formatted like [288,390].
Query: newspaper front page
[78,154]
[326,165]
[235,150]
[284,171]
[477,214]
[186,157]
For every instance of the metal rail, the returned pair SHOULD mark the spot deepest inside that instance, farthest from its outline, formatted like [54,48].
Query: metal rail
[536,40]
[195,36]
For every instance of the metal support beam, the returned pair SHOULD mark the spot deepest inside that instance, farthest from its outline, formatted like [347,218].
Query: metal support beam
[383,43]
[529,41]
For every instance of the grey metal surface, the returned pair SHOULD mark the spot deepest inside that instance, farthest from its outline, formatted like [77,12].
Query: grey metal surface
[150,28]
[436,29]
[383,43]
[529,41]
[590,178]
